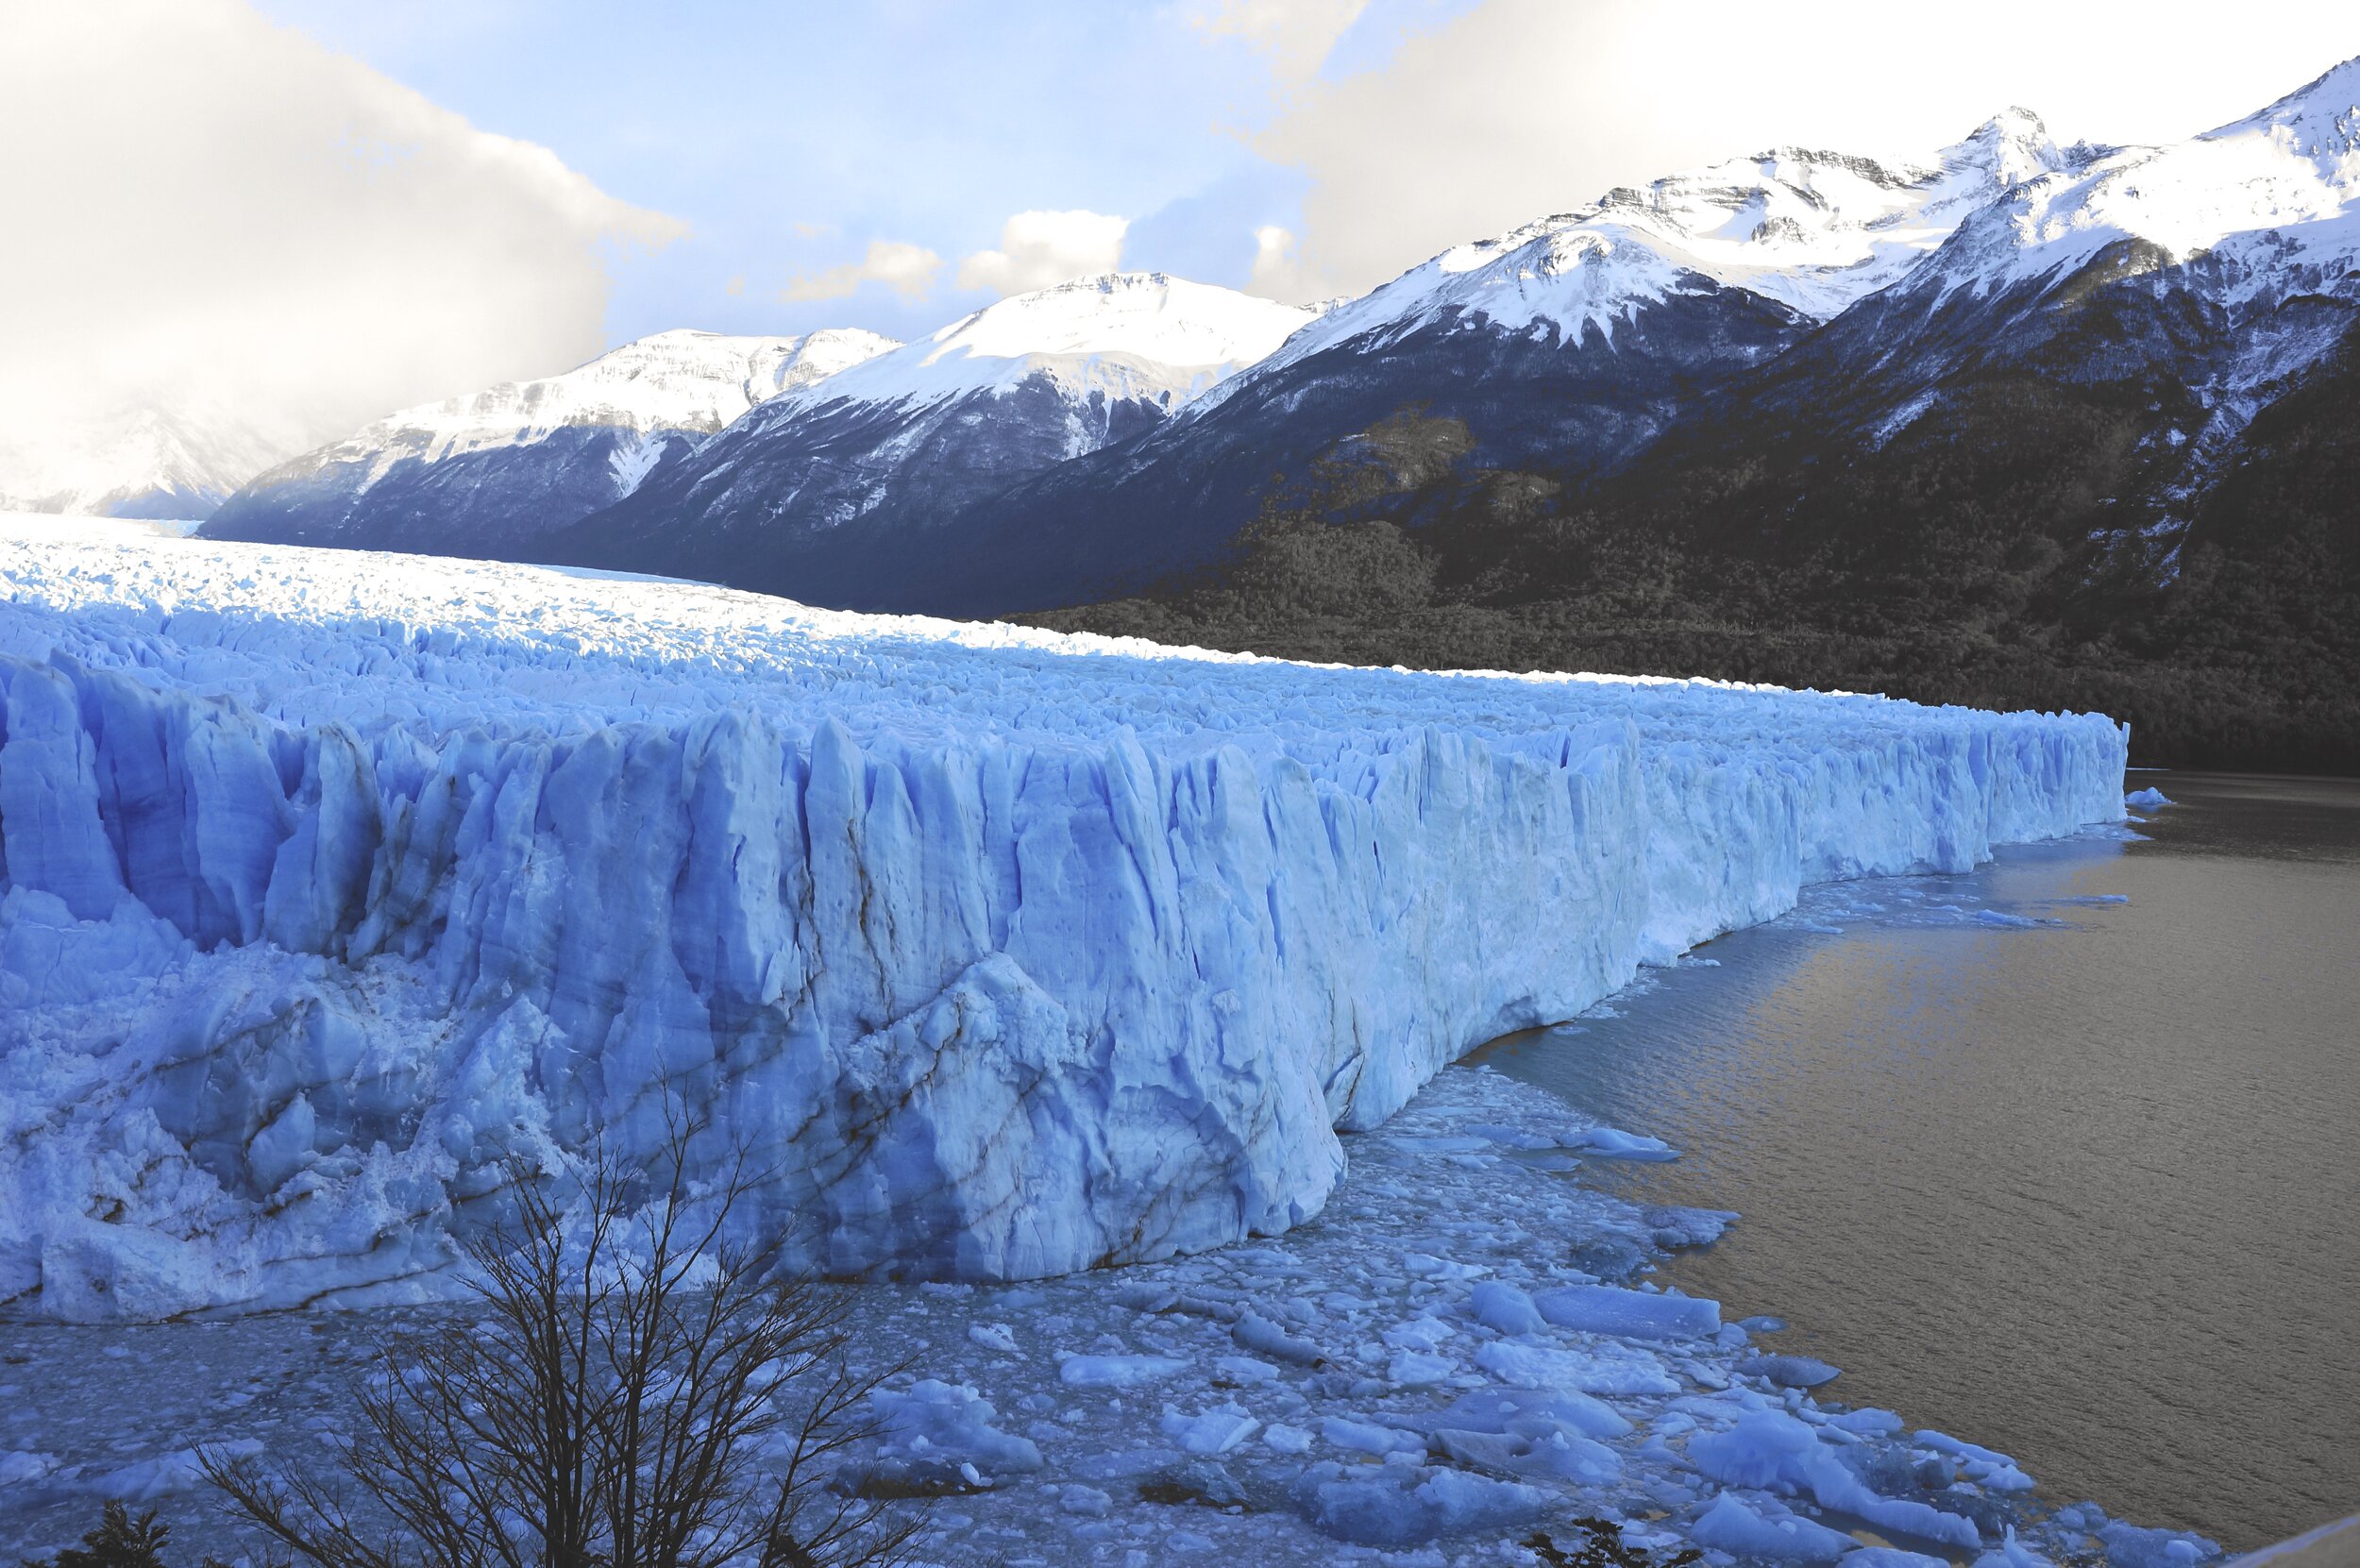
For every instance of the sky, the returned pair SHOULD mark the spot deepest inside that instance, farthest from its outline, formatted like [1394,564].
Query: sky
[311,212]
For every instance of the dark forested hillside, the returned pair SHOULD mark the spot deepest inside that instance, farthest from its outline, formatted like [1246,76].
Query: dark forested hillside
[1120,518]
[2013,425]
[2011,543]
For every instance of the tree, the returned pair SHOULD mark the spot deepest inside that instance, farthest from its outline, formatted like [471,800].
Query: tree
[639,1390]
[120,1542]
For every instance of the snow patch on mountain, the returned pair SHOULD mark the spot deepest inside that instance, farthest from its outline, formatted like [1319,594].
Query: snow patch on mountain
[1138,336]
[1813,231]
[2273,200]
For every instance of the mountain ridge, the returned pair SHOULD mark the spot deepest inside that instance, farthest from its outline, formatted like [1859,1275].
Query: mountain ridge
[2110,476]
[1991,392]
[168,459]
[490,472]
[904,441]
[1586,333]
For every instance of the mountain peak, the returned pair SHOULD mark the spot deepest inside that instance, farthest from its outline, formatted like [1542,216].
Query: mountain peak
[668,336]
[2280,183]
[2321,119]
[1127,333]
[180,455]
[1110,282]
[2011,147]
[2013,124]
[682,379]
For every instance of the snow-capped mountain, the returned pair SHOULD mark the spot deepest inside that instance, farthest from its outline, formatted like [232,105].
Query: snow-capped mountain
[1810,232]
[2271,197]
[1086,441]
[164,459]
[1572,342]
[487,474]
[912,436]
[1793,308]
[2182,288]
[1123,337]
[966,460]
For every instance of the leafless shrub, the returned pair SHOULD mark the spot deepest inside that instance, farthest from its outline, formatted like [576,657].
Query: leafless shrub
[639,1390]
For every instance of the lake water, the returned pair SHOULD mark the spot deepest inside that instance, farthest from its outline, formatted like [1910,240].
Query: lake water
[2087,1191]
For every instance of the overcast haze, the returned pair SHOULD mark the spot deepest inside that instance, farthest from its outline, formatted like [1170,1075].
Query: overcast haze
[313,213]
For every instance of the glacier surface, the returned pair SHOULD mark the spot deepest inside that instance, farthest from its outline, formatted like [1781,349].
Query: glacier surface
[331,882]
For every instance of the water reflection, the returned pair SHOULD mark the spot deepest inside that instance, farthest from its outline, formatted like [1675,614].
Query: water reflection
[2085,1189]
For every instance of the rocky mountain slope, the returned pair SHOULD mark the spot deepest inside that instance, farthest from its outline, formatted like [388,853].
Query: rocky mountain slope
[821,495]
[2189,285]
[2083,453]
[1579,338]
[491,473]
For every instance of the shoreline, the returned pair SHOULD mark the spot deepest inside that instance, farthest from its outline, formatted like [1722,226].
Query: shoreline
[1986,1128]
[1440,1423]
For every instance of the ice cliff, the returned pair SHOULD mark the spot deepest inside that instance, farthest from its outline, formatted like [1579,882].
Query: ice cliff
[329,880]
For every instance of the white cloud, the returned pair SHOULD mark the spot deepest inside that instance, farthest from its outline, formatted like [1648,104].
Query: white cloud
[1278,271]
[207,208]
[1038,249]
[1517,109]
[1294,35]
[908,270]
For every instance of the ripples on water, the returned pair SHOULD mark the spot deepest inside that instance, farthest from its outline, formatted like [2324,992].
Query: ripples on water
[2087,1192]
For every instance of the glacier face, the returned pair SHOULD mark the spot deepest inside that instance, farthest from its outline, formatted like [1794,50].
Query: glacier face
[331,881]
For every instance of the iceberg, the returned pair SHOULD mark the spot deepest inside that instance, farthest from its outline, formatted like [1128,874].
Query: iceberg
[1766,1448]
[1635,1314]
[333,883]
[1729,1526]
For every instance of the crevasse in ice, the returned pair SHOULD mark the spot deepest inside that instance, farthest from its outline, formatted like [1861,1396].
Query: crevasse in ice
[328,882]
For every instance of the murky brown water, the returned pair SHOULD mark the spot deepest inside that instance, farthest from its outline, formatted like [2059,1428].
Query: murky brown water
[2088,1191]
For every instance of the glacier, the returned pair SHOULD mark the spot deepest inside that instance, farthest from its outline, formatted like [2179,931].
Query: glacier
[331,882]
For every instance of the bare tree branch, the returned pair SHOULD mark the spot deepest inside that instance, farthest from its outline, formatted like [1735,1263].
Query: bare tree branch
[639,1389]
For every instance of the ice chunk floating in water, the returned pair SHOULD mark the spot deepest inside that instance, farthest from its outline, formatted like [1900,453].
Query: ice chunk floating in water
[330,881]
[1615,1144]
